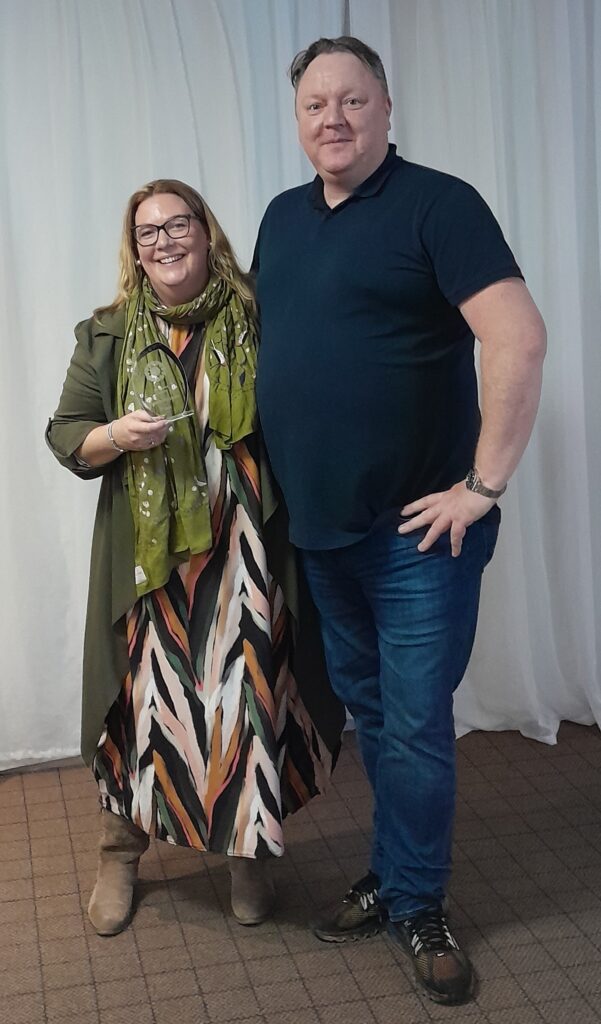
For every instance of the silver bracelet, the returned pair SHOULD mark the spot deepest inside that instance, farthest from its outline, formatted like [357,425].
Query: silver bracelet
[109,430]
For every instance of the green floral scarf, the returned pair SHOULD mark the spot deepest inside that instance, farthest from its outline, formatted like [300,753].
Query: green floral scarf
[167,485]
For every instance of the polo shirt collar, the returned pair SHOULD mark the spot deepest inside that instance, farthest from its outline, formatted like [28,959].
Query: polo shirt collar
[367,188]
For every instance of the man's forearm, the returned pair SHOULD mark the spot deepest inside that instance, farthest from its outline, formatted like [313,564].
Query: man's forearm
[513,344]
[510,393]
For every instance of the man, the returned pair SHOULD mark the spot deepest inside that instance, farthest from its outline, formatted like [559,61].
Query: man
[372,283]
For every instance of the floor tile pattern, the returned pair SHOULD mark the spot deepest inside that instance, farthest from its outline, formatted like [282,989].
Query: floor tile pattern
[525,902]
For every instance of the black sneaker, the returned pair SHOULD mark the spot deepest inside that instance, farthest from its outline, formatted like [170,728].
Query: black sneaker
[358,916]
[441,969]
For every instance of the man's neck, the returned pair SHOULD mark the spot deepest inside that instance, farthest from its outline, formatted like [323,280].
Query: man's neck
[336,192]
[337,189]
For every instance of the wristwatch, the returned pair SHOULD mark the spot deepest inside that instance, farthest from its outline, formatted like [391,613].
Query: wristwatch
[474,483]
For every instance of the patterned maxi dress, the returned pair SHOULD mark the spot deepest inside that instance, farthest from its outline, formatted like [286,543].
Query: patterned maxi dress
[208,739]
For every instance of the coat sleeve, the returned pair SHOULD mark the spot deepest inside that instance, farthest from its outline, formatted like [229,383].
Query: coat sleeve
[81,407]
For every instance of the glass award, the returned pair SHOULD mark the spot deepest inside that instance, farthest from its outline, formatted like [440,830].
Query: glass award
[152,389]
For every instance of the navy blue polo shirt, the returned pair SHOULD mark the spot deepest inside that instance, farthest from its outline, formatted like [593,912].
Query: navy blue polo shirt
[366,383]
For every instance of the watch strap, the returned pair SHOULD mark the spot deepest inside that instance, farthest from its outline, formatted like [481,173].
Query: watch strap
[474,483]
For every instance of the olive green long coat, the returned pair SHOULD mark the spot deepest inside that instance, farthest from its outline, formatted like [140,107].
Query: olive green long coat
[87,400]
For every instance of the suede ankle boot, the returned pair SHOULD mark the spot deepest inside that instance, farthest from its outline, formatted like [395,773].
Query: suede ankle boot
[253,891]
[121,846]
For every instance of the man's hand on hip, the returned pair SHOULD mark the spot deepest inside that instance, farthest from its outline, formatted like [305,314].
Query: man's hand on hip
[452,510]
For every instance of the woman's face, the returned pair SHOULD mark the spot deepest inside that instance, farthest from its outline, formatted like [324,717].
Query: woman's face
[177,268]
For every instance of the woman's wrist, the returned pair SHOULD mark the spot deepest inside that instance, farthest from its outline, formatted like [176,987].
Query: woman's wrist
[113,442]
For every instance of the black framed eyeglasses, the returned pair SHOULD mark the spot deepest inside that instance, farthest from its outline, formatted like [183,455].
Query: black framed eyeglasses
[175,227]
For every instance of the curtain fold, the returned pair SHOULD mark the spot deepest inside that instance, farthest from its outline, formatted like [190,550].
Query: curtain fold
[104,97]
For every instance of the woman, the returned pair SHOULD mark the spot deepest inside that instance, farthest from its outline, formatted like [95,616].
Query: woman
[192,718]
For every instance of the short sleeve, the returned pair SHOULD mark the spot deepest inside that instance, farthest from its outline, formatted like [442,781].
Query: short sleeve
[464,243]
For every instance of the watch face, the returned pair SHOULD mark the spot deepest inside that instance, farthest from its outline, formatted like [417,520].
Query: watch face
[471,481]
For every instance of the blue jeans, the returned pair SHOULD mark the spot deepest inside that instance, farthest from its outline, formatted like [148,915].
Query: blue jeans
[398,629]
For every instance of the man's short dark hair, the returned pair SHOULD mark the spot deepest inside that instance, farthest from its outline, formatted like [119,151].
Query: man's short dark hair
[343,44]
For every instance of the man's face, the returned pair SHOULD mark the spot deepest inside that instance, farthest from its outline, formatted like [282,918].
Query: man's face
[343,118]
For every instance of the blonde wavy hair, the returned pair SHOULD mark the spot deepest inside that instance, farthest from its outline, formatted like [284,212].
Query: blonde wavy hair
[221,260]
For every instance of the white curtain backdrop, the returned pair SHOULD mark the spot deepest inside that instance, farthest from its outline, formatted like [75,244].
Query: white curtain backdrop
[96,99]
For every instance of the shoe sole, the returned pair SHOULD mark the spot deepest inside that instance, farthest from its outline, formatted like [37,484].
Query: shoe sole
[366,932]
[434,997]
[253,922]
[109,933]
